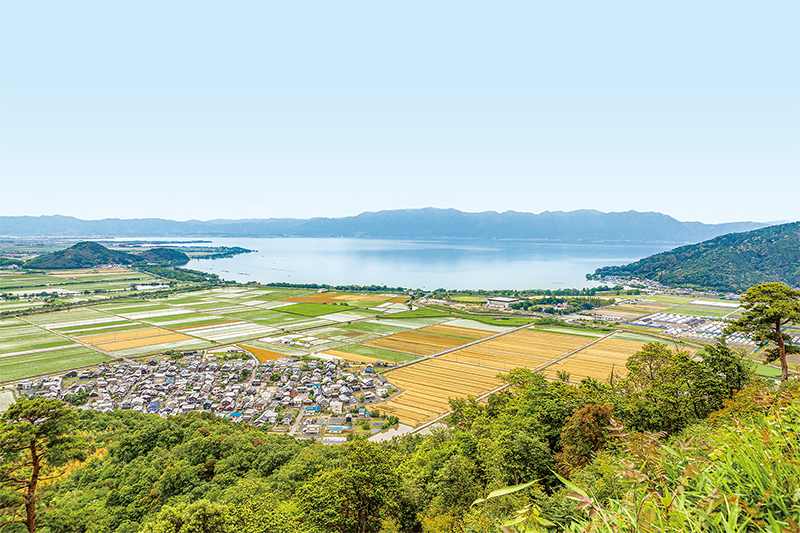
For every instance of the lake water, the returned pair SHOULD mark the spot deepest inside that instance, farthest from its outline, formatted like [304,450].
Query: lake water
[422,264]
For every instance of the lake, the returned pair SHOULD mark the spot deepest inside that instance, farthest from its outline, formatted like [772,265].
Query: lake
[449,264]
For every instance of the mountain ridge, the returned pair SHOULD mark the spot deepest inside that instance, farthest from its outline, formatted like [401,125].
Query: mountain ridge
[425,223]
[729,262]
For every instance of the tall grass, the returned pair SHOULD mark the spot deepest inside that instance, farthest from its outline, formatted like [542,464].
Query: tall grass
[745,477]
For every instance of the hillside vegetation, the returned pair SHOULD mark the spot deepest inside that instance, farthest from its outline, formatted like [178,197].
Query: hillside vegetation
[169,256]
[726,263]
[81,255]
[91,254]
[679,445]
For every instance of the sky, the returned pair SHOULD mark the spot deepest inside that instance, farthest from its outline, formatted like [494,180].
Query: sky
[258,109]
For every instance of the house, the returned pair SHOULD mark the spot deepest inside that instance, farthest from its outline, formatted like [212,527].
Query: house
[501,302]
[336,407]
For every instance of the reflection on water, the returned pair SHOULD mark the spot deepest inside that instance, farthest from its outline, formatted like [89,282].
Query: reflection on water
[422,264]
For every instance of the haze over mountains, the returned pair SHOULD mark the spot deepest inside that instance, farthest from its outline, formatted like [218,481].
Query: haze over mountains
[427,223]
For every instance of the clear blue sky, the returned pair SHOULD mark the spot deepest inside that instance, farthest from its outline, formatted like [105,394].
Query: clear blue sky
[257,109]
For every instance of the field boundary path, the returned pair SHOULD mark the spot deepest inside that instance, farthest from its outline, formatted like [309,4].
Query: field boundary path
[460,347]
[505,386]
[76,341]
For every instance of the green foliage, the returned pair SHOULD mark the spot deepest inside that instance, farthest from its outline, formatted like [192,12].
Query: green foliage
[743,478]
[180,274]
[351,498]
[768,308]
[8,261]
[77,399]
[163,256]
[667,390]
[727,263]
[35,440]
[244,508]
[81,255]
[584,434]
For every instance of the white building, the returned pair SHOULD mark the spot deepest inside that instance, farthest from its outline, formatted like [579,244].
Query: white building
[501,302]
[336,407]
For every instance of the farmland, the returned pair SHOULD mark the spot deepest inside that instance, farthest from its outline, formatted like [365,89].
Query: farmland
[473,370]
[597,361]
[273,323]
[137,325]
[429,340]
[429,384]
[47,361]
[524,348]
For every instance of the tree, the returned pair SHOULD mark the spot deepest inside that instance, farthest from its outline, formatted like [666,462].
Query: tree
[353,497]
[34,442]
[584,434]
[728,372]
[769,307]
[662,388]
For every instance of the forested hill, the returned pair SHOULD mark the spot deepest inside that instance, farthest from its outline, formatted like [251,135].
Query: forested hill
[727,263]
[91,254]
[428,223]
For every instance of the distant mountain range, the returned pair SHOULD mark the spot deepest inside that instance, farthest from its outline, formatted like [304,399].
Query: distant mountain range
[726,263]
[427,223]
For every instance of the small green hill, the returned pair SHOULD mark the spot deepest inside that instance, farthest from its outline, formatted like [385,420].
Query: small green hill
[726,263]
[81,255]
[164,255]
[91,254]
[8,261]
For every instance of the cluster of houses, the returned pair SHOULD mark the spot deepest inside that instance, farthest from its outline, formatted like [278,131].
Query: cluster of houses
[267,394]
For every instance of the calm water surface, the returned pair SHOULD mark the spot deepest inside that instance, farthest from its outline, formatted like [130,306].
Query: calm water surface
[422,264]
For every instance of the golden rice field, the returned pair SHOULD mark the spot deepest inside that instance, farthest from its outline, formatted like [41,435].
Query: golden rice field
[136,338]
[469,333]
[523,348]
[597,361]
[123,335]
[262,354]
[149,341]
[429,340]
[355,358]
[429,384]
[472,371]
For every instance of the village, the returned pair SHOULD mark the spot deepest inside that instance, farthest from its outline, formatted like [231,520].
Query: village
[309,399]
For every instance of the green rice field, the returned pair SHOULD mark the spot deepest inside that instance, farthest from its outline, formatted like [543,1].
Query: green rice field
[379,353]
[310,309]
[21,366]
[17,336]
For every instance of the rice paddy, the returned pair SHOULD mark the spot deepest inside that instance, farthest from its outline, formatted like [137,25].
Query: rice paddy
[17,367]
[310,309]
[368,354]
[270,324]
[473,370]
[428,385]
[523,348]
[17,336]
[262,354]
[429,340]
[136,338]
